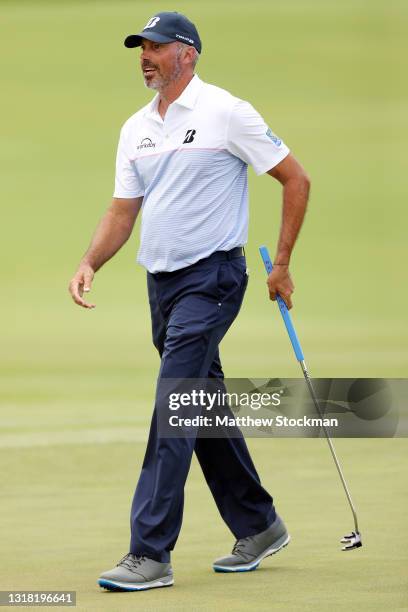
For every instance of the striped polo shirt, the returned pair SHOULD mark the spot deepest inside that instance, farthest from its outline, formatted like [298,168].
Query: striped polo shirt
[191,169]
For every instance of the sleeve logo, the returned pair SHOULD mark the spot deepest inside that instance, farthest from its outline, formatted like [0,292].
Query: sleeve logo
[275,139]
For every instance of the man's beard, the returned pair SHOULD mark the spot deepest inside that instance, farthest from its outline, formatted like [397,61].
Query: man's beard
[159,82]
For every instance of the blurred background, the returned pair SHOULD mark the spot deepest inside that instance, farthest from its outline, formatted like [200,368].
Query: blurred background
[77,386]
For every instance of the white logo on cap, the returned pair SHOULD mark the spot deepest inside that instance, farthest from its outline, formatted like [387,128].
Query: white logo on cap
[190,40]
[151,23]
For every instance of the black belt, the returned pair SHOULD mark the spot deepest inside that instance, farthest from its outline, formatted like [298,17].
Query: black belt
[226,255]
[216,256]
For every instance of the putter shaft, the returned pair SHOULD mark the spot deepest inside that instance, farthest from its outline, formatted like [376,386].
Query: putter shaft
[330,442]
[299,356]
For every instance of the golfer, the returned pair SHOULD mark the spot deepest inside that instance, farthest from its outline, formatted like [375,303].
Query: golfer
[182,160]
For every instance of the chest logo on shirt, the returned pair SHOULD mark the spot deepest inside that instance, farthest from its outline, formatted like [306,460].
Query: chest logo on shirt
[146,144]
[189,137]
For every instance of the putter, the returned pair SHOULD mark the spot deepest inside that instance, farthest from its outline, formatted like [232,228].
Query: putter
[353,539]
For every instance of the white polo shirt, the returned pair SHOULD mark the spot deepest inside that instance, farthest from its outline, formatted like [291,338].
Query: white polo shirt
[191,169]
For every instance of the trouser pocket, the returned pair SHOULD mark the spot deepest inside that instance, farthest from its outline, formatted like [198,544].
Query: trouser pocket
[231,277]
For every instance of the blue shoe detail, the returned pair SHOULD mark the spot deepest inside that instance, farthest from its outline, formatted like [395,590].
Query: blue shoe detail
[223,570]
[110,586]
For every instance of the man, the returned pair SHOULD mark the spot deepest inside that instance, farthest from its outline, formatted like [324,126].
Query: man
[183,160]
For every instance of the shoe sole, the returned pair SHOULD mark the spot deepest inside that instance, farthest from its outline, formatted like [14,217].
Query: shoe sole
[250,567]
[114,585]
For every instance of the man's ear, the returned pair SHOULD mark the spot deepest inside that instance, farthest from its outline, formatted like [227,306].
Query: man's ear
[189,54]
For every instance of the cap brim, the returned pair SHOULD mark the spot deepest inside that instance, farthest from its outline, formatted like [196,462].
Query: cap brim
[135,40]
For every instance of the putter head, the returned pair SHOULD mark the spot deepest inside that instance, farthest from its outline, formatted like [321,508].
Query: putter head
[352,540]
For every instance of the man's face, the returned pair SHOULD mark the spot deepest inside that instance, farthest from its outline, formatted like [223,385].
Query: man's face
[160,63]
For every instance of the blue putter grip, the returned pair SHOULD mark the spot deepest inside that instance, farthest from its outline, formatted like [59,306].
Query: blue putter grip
[283,308]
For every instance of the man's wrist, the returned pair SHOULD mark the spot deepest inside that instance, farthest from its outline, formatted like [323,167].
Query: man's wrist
[88,263]
[282,258]
[280,261]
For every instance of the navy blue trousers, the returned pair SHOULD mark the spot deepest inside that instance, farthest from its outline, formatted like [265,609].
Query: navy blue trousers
[191,311]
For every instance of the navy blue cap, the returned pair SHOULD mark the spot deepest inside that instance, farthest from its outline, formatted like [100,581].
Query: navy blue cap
[165,28]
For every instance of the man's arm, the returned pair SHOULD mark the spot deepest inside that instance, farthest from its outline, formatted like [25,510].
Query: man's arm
[296,185]
[111,234]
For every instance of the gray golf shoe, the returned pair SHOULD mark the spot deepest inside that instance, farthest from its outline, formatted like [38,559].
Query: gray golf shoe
[249,552]
[134,573]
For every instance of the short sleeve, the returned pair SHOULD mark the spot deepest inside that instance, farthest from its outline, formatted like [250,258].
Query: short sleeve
[250,139]
[127,181]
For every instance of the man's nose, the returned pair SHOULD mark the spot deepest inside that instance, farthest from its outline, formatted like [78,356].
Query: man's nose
[144,55]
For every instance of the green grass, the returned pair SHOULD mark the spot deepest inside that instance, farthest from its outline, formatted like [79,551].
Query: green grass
[77,387]
[65,519]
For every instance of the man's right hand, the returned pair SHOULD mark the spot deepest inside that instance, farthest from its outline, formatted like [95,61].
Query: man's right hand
[81,283]
[111,234]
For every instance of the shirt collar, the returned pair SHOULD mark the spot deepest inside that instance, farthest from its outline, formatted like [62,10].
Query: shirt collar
[187,98]
[189,95]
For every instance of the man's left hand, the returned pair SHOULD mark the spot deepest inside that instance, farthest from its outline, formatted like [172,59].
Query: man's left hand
[280,281]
